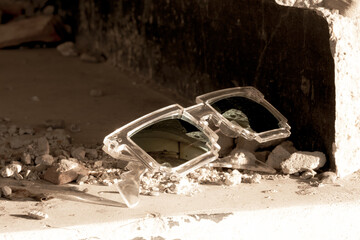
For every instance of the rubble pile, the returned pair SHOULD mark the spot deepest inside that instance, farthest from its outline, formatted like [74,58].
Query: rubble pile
[47,153]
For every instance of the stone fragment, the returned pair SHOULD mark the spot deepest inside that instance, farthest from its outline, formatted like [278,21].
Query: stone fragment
[98,164]
[18,176]
[253,178]
[37,215]
[82,179]
[55,123]
[35,29]
[61,153]
[91,153]
[301,161]
[78,153]
[6,191]
[26,158]
[45,159]
[41,146]
[10,170]
[280,153]
[308,174]
[64,172]
[67,49]
[234,178]
[327,177]
[243,159]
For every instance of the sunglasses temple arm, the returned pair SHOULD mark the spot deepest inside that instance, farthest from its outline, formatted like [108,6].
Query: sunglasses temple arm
[129,185]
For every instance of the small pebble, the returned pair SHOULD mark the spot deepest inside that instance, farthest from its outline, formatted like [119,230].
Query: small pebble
[45,159]
[91,153]
[37,215]
[67,49]
[26,158]
[82,179]
[6,191]
[78,153]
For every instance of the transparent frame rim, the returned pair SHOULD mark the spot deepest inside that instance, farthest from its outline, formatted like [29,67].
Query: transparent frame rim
[253,94]
[119,142]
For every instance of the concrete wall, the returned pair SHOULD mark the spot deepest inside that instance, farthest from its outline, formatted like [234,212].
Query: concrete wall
[195,46]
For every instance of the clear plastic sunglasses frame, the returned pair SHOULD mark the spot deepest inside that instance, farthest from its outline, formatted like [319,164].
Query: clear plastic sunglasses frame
[119,144]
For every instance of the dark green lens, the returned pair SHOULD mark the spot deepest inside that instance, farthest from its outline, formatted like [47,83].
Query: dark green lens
[246,113]
[172,142]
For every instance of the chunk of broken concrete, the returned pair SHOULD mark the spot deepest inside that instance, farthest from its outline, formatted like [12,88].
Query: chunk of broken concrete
[26,158]
[6,191]
[64,172]
[280,153]
[91,153]
[233,178]
[41,146]
[38,28]
[327,177]
[302,161]
[45,159]
[78,153]
[10,170]
[67,49]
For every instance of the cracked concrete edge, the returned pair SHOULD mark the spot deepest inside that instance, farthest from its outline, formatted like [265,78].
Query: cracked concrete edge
[331,221]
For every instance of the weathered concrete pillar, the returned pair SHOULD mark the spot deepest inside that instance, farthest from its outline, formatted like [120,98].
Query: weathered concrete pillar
[197,46]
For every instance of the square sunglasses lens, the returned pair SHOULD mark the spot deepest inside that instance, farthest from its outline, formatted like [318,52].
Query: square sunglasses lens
[172,142]
[246,113]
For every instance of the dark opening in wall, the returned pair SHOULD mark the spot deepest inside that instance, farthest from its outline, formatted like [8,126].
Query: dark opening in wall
[197,46]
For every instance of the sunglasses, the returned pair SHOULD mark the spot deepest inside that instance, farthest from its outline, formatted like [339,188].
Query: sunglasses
[178,140]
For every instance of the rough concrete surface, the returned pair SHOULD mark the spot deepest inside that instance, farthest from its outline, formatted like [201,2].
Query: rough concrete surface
[62,85]
[275,209]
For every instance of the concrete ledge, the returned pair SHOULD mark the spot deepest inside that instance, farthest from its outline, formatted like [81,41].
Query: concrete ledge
[247,211]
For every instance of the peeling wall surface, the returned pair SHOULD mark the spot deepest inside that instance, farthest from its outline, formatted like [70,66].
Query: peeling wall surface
[346,34]
[197,46]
